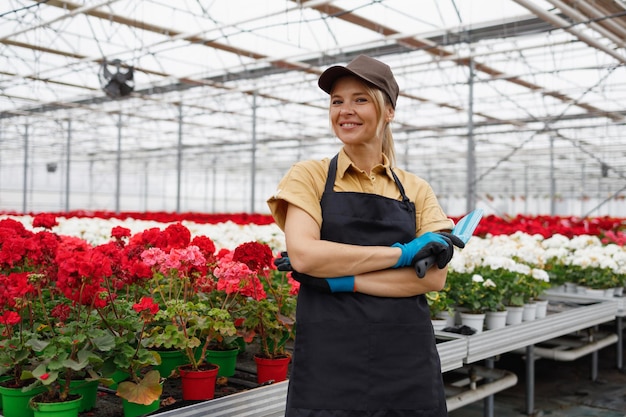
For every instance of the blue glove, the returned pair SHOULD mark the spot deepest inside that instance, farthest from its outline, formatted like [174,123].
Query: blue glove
[331,285]
[421,247]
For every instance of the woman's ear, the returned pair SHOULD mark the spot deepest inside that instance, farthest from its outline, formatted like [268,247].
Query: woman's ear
[389,113]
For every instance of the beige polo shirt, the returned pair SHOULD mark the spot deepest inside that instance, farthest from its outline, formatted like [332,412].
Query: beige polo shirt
[303,186]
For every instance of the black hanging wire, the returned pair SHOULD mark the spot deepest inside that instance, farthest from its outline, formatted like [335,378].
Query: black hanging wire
[24,8]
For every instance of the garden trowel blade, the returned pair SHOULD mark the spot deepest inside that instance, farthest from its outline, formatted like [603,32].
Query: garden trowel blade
[465,228]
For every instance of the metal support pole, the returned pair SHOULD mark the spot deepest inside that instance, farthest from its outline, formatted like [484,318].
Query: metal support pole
[253,156]
[118,169]
[594,365]
[526,191]
[214,191]
[471,157]
[582,188]
[620,342]
[25,179]
[179,157]
[530,380]
[145,185]
[488,401]
[552,179]
[68,150]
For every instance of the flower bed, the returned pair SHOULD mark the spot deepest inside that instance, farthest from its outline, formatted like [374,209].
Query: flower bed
[71,309]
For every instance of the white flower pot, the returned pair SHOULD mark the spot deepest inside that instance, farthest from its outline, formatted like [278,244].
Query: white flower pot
[514,315]
[439,324]
[475,321]
[529,313]
[542,309]
[448,316]
[495,319]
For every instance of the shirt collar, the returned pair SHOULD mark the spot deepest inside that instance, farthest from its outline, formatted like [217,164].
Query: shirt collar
[344,163]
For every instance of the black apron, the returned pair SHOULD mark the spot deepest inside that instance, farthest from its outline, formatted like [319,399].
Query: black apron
[359,355]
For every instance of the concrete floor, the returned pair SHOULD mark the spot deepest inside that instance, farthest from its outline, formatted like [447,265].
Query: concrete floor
[562,389]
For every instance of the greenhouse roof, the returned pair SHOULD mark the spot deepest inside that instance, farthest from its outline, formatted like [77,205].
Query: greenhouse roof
[508,97]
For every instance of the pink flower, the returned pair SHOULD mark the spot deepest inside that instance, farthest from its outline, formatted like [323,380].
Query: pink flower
[153,256]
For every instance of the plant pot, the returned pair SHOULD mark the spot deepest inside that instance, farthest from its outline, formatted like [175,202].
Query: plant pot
[200,384]
[88,390]
[542,309]
[571,287]
[271,369]
[448,316]
[15,402]
[137,410]
[439,324]
[495,319]
[67,408]
[529,312]
[514,314]
[170,361]
[2,379]
[225,359]
[475,321]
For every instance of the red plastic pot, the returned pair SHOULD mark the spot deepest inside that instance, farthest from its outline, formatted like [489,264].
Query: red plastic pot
[198,384]
[271,369]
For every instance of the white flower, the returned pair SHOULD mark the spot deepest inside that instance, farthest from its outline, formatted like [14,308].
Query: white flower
[489,283]
[540,274]
[477,278]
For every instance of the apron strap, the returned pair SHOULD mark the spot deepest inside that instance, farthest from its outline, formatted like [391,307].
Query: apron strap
[332,175]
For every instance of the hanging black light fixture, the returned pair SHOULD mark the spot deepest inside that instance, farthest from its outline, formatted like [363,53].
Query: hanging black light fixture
[116,83]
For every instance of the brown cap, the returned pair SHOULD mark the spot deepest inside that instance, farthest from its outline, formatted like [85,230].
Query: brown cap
[368,69]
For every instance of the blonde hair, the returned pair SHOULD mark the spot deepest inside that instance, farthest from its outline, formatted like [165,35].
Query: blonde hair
[384,126]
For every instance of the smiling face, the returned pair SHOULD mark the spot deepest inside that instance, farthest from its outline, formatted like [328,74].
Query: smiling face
[355,115]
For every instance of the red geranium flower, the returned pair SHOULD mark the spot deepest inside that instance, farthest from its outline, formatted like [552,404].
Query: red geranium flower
[119,232]
[257,256]
[45,220]
[10,318]
[146,304]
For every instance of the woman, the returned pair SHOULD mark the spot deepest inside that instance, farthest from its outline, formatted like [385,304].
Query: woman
[355,226]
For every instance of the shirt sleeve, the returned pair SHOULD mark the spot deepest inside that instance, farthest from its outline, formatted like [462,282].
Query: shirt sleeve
[430,217]
[302,186]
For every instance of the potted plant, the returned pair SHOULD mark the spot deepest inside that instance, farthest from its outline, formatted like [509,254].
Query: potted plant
[142,388]
[186,321]
[269,310]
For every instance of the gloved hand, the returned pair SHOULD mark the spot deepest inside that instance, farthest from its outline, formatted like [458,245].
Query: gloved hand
[283,263]
[337,284]
[445,256]
[421,247]
[330,285]
[441,258]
